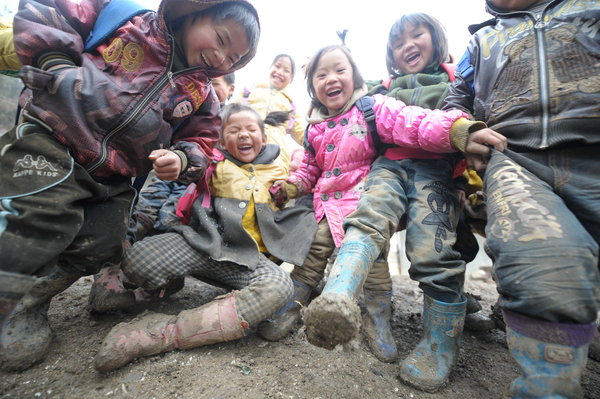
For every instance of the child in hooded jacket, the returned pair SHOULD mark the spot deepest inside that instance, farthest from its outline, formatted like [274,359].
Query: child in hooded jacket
[91,121]
[343,153]
[234,230]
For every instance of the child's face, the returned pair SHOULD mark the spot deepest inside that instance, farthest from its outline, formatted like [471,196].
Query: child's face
[242,136]
[214,46]
[413,50]
[513,5]
[333,80]
[223,89]
[280,74]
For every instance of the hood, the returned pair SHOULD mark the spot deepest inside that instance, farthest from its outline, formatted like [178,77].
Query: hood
[170,10]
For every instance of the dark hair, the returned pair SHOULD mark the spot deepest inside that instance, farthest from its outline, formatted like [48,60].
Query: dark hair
[311,67]
[234,108]
[244,15]
[438,39]
[229,78]
[283,55]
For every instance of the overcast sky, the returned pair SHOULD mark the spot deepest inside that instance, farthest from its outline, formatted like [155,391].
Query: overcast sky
[300,28]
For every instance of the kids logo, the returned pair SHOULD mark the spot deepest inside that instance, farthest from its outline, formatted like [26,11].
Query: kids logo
[27,166]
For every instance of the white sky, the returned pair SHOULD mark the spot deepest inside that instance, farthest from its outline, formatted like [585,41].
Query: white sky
[300,28]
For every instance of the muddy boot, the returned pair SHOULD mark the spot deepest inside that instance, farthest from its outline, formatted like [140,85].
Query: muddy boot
[476,319]
[26,334]
[12,288]
[174,286]
[334,317]
[552,356]
[428,366]
[217,321]
[286,318]
[108,293]
[377,327]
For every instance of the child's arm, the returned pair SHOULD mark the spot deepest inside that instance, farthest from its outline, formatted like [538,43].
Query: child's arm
[194,140]
[52,32]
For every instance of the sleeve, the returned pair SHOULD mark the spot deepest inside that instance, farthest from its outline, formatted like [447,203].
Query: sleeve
[461,94]
[50,32]
[414,127]
[195,139]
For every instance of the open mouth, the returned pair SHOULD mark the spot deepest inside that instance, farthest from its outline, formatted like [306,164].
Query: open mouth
[206,63]
[334,93]
[412,58]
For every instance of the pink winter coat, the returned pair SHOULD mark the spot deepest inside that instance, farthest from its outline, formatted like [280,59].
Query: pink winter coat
[344,151]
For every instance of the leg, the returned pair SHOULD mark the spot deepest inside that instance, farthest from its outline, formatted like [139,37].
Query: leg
[334,317]
[84,219]
[439,269]
[378,302]
[305,279]
[549,303]
[261,292]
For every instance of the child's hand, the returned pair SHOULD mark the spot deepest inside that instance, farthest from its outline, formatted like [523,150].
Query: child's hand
[478,147]
[282,191]
[297,158]
[166,164]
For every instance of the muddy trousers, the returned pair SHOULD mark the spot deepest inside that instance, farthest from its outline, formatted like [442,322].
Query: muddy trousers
[312,271]
[53,212]
[156,260]
[543,232]
[424,190]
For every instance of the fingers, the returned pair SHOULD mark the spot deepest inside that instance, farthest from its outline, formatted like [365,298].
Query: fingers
[154,155]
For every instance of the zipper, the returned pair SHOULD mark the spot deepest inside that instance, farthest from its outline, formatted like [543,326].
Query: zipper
[544,88]
[134,114]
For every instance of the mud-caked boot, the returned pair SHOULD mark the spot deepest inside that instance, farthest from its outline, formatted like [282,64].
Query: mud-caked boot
[26,333]
[551,356]
[428,366]
[285,319]
[152,333]
[12,288]
[108,294]
[334,317]
[377,327]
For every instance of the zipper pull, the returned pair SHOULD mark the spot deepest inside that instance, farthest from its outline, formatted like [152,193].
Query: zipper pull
[170,75]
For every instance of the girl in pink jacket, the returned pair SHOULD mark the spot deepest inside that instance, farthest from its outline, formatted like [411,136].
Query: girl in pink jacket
[340,150]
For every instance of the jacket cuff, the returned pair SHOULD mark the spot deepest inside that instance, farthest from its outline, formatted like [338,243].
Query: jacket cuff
[53,60]
[460,130]
[184,161]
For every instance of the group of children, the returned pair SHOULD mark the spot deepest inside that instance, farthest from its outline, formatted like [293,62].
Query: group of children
[369,158]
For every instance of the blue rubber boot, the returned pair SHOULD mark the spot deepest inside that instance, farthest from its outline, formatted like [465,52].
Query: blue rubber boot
[428,366]
[377,327]
[334,317]
[552,356]
[285,319]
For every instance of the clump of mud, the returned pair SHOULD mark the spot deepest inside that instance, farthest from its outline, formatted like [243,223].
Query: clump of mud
[331,320]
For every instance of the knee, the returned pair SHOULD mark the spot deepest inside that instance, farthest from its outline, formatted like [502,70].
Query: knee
[559,289]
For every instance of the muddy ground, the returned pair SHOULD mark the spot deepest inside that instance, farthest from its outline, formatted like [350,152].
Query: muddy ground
[255,368]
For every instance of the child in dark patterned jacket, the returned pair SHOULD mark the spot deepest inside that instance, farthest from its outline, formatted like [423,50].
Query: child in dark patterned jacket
[92,120]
